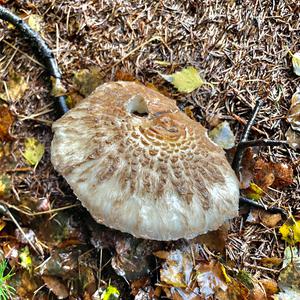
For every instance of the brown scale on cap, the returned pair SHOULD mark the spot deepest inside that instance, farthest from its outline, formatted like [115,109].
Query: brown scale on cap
[140,165]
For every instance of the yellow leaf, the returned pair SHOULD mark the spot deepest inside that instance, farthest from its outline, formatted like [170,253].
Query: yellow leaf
[227,278]
[110,293]
[290,231]
[34,21]
[254,191]
[162,63]
[88,79]
[4,185]
[296,63]
[57,87]
[2,224]
[25,258]
[16,87]
[186,81]
[34,151]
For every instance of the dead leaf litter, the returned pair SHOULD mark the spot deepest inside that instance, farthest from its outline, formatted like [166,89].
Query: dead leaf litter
[242,49]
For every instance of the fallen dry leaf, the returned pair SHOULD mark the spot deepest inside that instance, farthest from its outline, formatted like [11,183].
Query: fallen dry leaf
[258,293]
[56,286]
[290,231]
[177,269]
[257,216]
[293,116]
[136,285]
[186,80]
[277,175]
[110,293]
[5,185]
[254,191]
[214,240]
[269,219]
[246,173]
[124,76]
[212,283]
[87,80]
[296,62]
[6,120]
[270,286]
[180,294]
[34,151]
[271,261]
[161,254]
[223,135]
[293,138]
[57,87]
[289,279]
[35,21]
[260,216]
[188,110]
[16,87]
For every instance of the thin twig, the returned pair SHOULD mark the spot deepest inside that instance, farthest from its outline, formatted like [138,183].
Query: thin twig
[9,214]
[50,211]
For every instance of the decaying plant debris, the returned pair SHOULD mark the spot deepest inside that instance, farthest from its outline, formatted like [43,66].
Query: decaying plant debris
[240,47]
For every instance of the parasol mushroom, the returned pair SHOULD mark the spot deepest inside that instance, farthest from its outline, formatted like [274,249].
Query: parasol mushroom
[141,166]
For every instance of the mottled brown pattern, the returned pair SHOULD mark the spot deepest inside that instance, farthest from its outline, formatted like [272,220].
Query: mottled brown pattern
[165,138]
[143,156]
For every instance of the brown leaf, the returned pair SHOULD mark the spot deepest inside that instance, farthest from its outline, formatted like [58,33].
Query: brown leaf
[257,216]
[188,110]
[6,120]
[269,219]
[268,174]
[270,286]
[87,80]
[138,284]
[56,286]
[214,240]
[258,293]
[124,76]
[180,294]
[177,269]
[213,281]
[248,164]
[161,254]
[271,261]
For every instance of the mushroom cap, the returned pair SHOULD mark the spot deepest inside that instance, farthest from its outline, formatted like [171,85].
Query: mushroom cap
[141,166]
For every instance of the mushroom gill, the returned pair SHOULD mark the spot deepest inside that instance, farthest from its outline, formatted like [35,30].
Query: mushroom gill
[141,166]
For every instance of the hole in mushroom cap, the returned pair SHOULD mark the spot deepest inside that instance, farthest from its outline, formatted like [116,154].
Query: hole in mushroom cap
[137,106]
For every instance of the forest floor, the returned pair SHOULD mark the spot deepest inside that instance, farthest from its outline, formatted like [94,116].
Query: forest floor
[242,48]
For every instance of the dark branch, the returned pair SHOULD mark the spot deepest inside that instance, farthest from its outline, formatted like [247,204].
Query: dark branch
[40,47]
[252,203]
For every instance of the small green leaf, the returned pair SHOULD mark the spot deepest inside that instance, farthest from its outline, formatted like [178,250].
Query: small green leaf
[110,293]
[187,80]
[25,258]
[34,151]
